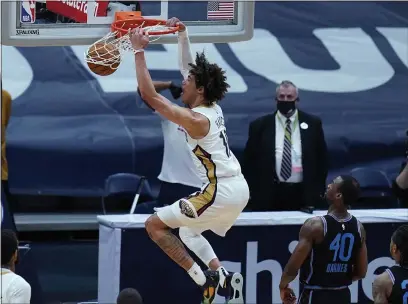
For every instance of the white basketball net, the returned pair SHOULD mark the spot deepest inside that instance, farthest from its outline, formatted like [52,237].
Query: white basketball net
[108,50]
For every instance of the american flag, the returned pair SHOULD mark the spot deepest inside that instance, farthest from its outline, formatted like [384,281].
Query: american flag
[220,10]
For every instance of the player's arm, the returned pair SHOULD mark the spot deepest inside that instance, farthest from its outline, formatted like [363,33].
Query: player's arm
[360,268]
[184,49]
[308,234]
[382,288]
[196,125]
[160,86]
[185,56]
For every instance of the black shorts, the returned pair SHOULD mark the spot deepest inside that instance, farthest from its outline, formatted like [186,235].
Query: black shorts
[318,296]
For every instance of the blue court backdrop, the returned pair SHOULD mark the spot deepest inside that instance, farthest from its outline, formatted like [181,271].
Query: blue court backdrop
[70,129]
[260,253]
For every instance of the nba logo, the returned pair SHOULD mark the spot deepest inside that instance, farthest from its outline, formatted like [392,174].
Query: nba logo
[27,11]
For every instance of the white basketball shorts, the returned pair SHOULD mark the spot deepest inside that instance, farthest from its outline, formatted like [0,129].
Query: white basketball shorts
[215,207]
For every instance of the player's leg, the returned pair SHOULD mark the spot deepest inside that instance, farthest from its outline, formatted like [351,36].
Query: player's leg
[341,296]
[161,234]
[229,284]
[232,287]
[232,198]
[158,226]
[315,296]
[336,296]
[198,244]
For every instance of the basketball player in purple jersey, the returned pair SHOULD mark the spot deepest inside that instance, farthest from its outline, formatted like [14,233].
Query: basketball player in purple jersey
[391,287]
[331,252]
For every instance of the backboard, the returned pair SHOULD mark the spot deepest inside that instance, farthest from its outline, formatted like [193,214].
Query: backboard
[74,22]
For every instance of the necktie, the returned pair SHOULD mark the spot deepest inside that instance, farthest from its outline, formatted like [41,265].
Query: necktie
[286,168]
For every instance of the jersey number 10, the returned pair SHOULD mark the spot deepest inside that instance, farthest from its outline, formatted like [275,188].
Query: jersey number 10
[342,245]
[224,137]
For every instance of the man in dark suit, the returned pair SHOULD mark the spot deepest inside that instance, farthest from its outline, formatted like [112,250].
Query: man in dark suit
[285,159]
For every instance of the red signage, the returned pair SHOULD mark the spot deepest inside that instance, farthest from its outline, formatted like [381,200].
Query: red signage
[77,10]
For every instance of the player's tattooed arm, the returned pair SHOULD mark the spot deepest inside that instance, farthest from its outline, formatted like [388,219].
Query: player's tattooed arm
[382,288]
[360,268]
[311,231]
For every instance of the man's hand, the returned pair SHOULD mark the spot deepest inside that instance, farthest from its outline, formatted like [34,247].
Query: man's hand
[287,295]
[175,91]
[139,39]
[173,22]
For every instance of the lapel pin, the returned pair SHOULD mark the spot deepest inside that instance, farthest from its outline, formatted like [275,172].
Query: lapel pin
[304,125]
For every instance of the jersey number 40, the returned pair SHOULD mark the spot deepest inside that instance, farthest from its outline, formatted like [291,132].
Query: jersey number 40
[342,245]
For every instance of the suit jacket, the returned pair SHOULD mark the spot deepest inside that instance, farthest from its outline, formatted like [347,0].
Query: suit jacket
[259,161]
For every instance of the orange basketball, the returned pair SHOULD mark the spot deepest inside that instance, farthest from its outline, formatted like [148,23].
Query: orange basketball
[107,53]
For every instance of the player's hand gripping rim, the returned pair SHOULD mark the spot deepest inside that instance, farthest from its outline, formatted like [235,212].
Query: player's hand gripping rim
[139,38]
[174,22]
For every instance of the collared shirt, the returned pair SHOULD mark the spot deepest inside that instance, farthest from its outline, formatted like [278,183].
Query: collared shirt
[280,126]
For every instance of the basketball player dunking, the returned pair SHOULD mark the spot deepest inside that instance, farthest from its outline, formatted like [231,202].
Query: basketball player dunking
[391,287]
[225,192]
[331,252]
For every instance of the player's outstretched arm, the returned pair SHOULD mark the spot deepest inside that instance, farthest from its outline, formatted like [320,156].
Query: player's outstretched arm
[307,235]
[158,86]
[310,231]
[196,125]
[382,288]
[161,85]
[184,49]
[360,268]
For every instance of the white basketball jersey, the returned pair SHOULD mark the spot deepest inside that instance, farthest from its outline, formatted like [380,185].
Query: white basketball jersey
[14,289]
[177,166]
[211,154]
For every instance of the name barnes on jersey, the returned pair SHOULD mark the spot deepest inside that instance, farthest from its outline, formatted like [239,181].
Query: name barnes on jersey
[336,267]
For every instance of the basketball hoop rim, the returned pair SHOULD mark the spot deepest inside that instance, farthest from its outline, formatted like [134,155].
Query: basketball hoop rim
[123,26]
